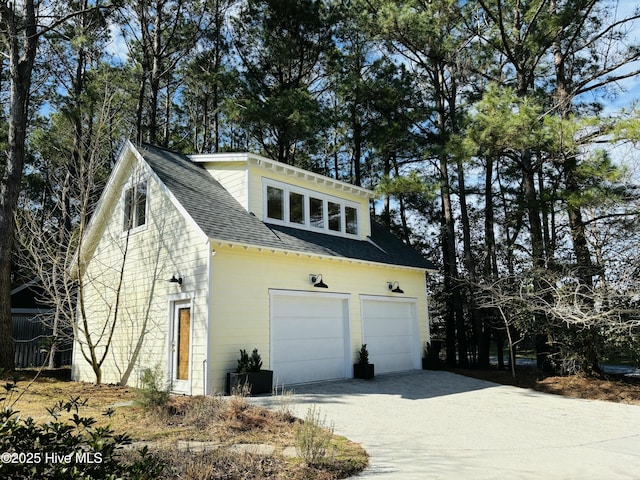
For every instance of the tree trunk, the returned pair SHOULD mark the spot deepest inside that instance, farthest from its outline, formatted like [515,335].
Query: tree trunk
[456,332]
[584,266]
[6,322]
[570,165]
[357,142]
[490,262]
[140,108]
[452,285]
[543,350]
[480,328]
[21,44]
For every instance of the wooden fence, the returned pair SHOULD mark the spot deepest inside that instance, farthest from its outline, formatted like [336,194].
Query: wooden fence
[30,340]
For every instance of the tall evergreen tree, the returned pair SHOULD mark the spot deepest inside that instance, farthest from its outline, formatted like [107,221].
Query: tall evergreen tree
[160,34]
[208,80]
[282,46]
[428,36]
[580,40]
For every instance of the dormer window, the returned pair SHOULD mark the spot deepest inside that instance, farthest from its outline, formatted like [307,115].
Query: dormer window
[334,210]
[135,207]
[275,203]
[316,209]
[298,207]
[351,220]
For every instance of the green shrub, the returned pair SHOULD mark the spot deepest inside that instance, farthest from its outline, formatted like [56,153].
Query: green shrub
[313,437]
[74,448]
[255,361]
[363,355]
[243,362]
[152,393]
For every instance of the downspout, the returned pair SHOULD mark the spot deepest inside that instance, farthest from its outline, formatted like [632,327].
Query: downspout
[426,297]
[206,364]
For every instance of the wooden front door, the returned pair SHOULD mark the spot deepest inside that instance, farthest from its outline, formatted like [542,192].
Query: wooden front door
[181,347]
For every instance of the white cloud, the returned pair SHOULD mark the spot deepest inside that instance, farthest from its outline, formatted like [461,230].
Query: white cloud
[117,46]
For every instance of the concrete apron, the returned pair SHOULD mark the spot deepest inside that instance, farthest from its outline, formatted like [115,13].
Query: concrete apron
[438,425]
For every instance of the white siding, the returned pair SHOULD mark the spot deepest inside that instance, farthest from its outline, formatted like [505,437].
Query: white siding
[233,177]
[168,246]
[243,279]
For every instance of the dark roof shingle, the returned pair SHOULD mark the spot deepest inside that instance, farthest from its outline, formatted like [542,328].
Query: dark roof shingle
[221,217]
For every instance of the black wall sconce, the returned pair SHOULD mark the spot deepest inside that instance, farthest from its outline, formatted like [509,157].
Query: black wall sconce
[316,280]
[177,280]
[394,287]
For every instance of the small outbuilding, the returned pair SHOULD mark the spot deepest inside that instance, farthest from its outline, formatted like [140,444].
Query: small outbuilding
[189,259]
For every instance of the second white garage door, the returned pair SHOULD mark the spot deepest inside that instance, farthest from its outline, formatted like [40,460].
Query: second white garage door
[389,328]
[309,337]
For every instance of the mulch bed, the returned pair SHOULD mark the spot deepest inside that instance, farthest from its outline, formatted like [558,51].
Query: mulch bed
[609,387]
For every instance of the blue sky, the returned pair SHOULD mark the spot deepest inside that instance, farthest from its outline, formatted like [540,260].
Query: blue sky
[631,86]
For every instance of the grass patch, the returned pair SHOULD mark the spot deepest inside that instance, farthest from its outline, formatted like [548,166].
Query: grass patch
[195,437]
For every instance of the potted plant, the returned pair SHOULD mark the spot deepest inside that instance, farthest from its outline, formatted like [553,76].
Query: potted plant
[431,358]
[249,374]
[363,369]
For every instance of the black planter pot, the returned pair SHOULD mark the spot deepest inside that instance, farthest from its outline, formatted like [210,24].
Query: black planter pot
[363,371]
[257,382]
[432,360]
[431,363]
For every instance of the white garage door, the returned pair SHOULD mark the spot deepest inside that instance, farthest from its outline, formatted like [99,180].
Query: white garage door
[309,337]
[390,330]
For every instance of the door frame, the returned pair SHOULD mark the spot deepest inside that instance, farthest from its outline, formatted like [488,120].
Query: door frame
[177,302]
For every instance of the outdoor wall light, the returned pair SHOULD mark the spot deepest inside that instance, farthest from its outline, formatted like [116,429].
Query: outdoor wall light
[177,280]
[316,280]
[394,287]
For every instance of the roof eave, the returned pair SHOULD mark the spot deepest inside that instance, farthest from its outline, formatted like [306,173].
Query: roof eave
[78,262]
[260,248]
[280,167]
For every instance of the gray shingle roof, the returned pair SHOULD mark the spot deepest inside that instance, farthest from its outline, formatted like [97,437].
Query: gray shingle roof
[221,217]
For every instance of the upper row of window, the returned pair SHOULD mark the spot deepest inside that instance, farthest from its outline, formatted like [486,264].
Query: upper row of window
[135,206]
[285,204]
[302,208]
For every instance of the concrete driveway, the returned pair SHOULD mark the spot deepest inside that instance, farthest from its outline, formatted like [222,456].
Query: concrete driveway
[438,425]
